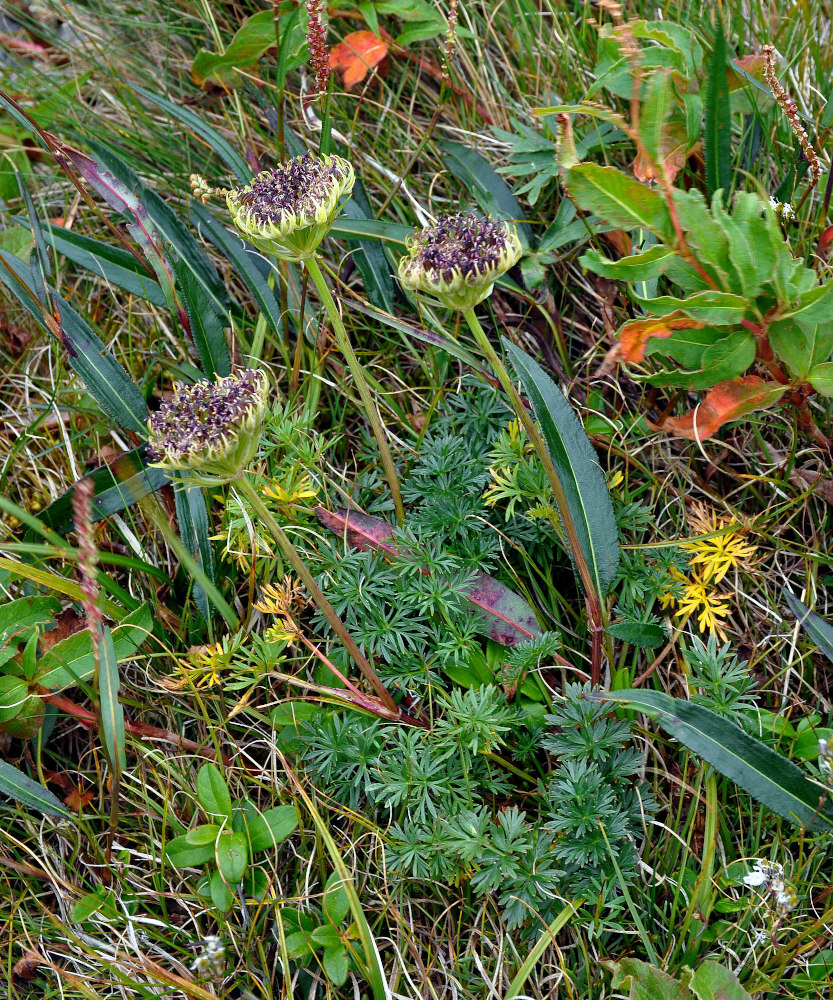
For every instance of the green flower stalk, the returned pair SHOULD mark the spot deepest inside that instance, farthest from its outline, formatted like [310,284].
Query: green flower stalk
[458,260]
[209,431]
[288,209]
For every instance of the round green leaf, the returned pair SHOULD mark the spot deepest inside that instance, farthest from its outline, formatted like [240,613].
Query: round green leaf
[232,855]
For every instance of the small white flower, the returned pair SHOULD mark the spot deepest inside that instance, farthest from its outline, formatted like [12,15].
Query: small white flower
[211,959]
[775,205]
[787,212]
[755,878]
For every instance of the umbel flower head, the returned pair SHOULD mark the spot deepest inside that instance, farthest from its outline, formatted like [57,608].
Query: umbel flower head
[210,430]
[288,209]
[458,260]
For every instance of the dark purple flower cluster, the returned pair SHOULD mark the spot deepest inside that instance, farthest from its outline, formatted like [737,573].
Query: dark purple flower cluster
[200,417]
[460,245]
[298,187]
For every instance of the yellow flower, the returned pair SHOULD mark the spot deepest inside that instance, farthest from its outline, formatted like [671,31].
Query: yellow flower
[695,598]
[282,599]
[724,550]
[205,666]
[285,496]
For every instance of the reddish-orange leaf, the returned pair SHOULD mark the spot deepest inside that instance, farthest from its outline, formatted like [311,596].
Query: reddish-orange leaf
[357,55]
[726,401]
[825,239]
[635,335]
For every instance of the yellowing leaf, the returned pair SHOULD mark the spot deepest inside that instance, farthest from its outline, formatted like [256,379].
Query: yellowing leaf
[357,55]
[726,401]
[635,335]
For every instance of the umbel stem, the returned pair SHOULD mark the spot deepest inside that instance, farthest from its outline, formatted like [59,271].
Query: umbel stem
[372,413]
[324,606]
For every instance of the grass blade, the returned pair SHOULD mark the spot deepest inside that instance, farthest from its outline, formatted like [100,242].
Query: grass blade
[112,713]
[766,775]
[544,941]
[577,467]
[16,785]
[718,120]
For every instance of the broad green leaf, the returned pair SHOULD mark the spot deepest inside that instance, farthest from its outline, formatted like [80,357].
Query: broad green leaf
[716,308]
[194,847]
[646,635]
[813,306]
[327,936]
[718,120]
[71,660]
[17,617]
[819,630]
[820,378]
[212,791]
[488,188]
[773,780]
[336,903]
[16,785]
[270,828]
[643,266]
[112,713]
[712,981]
[726,359]
[645,982]
[256,35]
[618,199]
[232,853]
[14,692]
[221,896]
[577,467]
[801,347]
[334,960]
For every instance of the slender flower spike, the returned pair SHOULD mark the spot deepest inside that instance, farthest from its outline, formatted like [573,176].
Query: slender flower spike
[210,430]
[288,209]
[458,260]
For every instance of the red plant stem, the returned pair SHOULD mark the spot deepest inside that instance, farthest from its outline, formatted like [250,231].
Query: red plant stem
[140,729]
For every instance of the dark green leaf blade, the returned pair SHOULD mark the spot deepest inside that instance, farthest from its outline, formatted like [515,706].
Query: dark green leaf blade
[577,467]
[718,115]
[767,776]
[206,326]
[819,630]
[19,786]
[194,529]
[112,713]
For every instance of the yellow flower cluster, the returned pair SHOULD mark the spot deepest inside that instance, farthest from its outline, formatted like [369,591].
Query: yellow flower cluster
[718,547]
[284,600]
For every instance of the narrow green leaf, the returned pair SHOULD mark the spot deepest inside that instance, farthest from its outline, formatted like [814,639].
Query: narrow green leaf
[656,107]
[489,189]
[104,377]
[227,153]
[546,940]
[577,467]
[195,531]
[819,630]
[207,328]
[643,266]
[112,713]
[19,786]
[773,780]
[369,256]
[718,124]
[618,199]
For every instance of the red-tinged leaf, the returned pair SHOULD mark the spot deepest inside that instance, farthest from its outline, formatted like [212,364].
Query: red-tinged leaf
[507,617]
[357,55]
[753,65]
[723,403]
[825,239]
[635,335]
